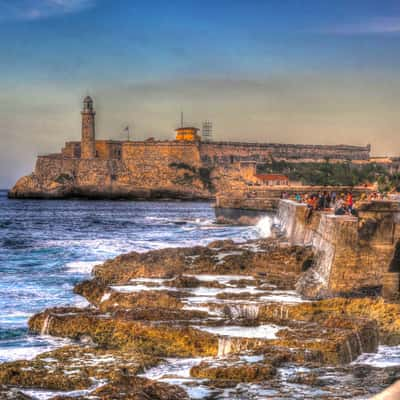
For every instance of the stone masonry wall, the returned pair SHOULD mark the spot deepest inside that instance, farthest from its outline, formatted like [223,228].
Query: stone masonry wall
[229,152]
[352,255]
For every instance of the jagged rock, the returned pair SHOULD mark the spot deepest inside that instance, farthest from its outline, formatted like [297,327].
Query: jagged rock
[159,314]
[338,340]
[134,388]
[7,393]
[73,368]
[234,371]
[108,332]
[285,261]
[93,290]
[387,315]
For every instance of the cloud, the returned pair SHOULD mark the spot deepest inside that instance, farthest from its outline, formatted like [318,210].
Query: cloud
[37,9]
[372,26]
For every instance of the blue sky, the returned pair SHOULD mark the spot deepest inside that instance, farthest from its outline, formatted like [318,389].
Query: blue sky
[283,71]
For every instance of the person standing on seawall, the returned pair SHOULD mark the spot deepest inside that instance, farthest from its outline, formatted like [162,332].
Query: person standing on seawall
[349,201]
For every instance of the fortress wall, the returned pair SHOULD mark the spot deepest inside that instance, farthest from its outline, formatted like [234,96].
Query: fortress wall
[94,173]
[108,149]
[52,167]
[148,170]
[162,164]
[228,152]
[71,150]
[161,152]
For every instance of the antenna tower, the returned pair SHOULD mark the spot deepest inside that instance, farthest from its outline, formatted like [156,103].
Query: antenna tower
[207,131]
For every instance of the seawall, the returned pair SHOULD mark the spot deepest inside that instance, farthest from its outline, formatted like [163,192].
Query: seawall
[258,198]
[352,255]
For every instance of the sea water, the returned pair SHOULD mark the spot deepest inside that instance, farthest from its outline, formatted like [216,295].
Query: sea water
[47,246]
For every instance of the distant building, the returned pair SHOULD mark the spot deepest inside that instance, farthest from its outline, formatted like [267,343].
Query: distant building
[187,134]
[272,179]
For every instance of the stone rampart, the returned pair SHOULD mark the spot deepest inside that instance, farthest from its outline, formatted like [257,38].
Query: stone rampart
[353,255]
[230,152]
[164,152]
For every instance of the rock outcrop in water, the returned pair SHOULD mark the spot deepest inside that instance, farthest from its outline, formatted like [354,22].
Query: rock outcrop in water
[222,321]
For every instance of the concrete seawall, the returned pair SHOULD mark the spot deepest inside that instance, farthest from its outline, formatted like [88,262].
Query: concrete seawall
[261,198]
[353,255]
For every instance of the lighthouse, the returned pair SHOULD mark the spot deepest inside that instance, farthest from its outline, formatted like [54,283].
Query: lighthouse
[88,143]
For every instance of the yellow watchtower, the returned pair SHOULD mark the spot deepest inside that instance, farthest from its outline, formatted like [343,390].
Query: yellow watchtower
[187,134]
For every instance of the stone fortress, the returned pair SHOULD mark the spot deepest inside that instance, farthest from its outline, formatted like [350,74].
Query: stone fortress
[184,168]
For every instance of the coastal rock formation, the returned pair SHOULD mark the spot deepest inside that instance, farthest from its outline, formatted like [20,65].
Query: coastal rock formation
[386,315]
[231,370]
[222,320]
[75,369]
[124,333]
[265,257]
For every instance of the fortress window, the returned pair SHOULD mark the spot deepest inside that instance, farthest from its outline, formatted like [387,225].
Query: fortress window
[97,153]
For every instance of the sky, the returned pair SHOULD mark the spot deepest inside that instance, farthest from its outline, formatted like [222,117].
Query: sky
[288,71]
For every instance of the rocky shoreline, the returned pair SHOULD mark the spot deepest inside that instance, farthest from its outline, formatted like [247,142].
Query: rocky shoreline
[215,322]
[30,187]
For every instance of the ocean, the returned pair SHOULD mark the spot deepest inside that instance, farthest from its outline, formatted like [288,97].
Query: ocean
[47,246]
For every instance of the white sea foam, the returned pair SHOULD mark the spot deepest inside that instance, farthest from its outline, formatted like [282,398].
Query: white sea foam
[253,359]
[139,288]
[282,296]
[30,348]
[223,279]
[173,368]
[105,297]
[14,318]
[213,292]
[386,356]
[81,267]
[150,280]
[41,394]
[264,226]
[198,392]
[257,332]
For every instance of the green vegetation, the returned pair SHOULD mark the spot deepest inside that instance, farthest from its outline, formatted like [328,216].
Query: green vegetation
[204,174]
[205,177]
[388,183]
[182,165]
[63,178]
[332,174]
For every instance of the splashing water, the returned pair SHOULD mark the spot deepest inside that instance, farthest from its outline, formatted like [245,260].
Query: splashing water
[46,325]
[245,311]
[264,226]
[224,346]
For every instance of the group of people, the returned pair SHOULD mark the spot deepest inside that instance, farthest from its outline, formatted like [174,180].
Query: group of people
[342,204]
